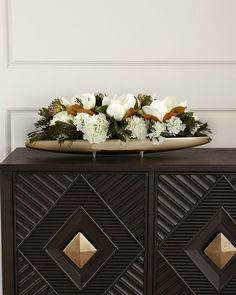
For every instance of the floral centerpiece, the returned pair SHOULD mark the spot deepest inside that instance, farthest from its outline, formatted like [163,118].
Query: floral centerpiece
[96,118]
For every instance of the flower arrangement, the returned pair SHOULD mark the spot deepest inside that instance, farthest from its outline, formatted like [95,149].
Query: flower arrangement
[97,118]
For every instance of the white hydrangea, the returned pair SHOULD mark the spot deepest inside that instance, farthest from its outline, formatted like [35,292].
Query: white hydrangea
[138,127]
[174,126]
[62,117]
[156,131]
[94,128]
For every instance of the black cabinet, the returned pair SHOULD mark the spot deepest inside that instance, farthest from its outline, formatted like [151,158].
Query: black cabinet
[119,225]
[196,234]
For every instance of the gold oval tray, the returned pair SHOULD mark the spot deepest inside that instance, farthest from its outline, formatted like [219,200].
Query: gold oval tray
[118,146]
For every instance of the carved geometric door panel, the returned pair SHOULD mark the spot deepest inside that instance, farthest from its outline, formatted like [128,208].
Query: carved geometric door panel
[196,234]
[80,233]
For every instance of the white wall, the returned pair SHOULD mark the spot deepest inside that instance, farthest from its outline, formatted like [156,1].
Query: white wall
[54,48]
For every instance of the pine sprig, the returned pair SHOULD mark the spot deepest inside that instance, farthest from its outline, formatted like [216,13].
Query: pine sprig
[60,131]
[43,129]
[194,127]
[117,130]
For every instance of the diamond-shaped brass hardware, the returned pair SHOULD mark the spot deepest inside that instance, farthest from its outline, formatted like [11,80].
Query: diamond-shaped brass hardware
[80,250]
[220,251]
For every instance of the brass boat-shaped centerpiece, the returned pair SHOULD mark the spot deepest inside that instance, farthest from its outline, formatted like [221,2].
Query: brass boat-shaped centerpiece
[118,146]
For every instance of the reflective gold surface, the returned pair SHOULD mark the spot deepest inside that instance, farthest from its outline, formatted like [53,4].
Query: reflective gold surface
[220,251]
[80,250]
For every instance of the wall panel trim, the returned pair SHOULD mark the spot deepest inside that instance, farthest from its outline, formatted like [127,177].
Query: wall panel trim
[81,64]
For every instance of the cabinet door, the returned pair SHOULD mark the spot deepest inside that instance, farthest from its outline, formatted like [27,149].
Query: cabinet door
[80,233]
[196,234]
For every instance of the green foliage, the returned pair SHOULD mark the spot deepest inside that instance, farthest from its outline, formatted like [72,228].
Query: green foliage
[47,114]
[99,97]
[193,127]
[43,122]
[56,106]
[60,131]
[63,131]
[101,109]
[144,99]
[118,130]
[79,102]
[203,130]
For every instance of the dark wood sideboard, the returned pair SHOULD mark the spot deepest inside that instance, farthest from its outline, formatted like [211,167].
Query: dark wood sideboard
[119,224]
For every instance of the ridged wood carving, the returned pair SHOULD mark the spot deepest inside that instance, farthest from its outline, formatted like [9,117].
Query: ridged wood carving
[44,204]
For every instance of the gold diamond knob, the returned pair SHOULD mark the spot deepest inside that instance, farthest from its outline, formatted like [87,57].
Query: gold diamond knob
[80,250]
[220,251]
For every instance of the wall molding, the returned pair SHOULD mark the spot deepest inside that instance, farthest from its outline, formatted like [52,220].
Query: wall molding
[88,64]
[5,33]
[12,63]
[8,124]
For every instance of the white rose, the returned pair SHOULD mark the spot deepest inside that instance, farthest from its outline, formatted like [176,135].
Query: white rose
[118,107]
[159,108]
[88,100]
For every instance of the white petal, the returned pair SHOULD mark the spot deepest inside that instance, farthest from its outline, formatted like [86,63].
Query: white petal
[183,104]
[129,101]
[119,99]
[170,102]
[106,101]
[159,106]
[116,111]
[153,112]
[88,100]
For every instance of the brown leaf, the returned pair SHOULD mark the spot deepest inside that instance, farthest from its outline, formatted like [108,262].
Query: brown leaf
[150,117]
[75,108]
[90,112]
[131,112]
[173,113]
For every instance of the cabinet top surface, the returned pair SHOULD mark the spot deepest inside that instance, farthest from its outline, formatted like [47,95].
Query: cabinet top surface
[195,159]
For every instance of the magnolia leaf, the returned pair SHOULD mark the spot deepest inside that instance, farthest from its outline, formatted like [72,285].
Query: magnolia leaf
[89,112]
[131,112]
[173,113]
[75,108]
[101,109]
[150,117]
